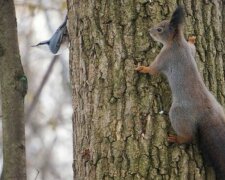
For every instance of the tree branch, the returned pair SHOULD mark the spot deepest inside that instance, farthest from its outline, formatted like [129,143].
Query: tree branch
[44,80]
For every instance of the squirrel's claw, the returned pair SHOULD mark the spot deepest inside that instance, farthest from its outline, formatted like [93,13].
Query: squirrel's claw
[139,68]
[172,138]
[192,39]
[179,139]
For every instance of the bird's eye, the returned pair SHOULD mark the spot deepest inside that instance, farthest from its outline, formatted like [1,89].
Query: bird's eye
[159,29]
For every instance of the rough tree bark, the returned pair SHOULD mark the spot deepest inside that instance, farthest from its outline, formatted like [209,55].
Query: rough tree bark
[120,117]
[13,89]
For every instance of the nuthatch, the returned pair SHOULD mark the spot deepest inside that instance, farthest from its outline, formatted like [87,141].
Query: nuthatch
[57,39]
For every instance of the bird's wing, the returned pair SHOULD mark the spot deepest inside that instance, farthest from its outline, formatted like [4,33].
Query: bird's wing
[56,40]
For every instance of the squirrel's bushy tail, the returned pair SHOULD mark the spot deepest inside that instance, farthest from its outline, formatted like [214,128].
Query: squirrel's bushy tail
[212,142]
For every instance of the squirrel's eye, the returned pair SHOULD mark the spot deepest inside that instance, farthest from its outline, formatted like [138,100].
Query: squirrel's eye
[159,29]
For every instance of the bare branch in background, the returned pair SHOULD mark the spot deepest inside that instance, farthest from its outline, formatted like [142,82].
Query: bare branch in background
[36,175]
[36,6]
[1,177]
[46,163]
[37,95]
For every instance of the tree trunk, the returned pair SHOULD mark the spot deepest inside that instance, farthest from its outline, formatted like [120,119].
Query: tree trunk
[13,89]
[120,118]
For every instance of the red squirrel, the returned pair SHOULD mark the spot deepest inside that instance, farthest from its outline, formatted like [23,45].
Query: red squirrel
[194,111]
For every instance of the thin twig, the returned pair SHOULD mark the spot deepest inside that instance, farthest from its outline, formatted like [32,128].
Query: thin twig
[44,80]
[1,177]
[36,175]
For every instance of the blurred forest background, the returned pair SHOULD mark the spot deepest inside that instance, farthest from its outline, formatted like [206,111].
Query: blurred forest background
[48,128]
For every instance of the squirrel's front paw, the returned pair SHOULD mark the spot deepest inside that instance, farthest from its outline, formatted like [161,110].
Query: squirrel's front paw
[143,69]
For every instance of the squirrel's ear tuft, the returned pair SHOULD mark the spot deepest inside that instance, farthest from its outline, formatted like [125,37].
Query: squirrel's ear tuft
[177,17]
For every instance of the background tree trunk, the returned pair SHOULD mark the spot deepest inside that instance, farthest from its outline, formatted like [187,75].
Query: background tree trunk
[13,89]
[120,117]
